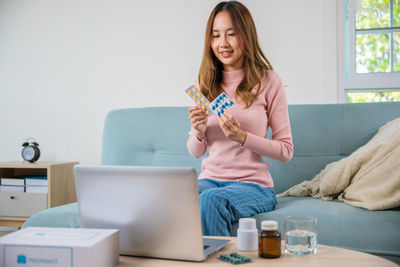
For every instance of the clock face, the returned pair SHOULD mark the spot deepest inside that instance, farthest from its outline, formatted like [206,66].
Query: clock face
[28,153]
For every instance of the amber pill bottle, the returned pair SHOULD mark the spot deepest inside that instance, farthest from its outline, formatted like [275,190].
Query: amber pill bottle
[269,245]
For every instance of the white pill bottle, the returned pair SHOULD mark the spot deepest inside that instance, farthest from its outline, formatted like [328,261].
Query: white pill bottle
[247,235]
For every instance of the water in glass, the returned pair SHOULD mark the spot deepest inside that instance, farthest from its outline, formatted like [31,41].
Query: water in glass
[301,242]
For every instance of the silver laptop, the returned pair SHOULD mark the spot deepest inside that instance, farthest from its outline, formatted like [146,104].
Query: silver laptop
[156,209]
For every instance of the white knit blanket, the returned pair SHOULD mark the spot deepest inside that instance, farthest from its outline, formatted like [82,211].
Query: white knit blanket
[368,178]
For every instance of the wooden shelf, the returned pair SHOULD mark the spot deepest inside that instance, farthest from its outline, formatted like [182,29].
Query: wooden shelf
[61,189]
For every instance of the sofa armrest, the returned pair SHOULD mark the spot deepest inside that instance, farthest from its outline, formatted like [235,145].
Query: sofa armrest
[61,216]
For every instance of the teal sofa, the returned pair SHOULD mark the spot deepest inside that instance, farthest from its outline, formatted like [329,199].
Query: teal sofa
[321,134]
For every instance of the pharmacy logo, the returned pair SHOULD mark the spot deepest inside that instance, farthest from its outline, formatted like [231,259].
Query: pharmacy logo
[21,259]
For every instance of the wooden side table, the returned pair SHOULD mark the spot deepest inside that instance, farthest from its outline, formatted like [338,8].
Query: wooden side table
[17,207]
[326,256]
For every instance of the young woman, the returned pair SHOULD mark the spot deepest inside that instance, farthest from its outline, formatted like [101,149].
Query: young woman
[234,181]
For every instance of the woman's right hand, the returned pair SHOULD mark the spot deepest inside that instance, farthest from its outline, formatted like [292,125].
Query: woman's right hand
[198,118]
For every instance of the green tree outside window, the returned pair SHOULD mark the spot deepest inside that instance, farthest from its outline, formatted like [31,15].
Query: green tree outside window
[377,36]
[366,97]
[377,46]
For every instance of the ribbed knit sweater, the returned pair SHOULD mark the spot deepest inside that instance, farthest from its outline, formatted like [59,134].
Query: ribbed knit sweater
[227,160]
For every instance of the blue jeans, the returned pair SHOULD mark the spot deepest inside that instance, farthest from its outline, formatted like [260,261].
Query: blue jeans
[224,203]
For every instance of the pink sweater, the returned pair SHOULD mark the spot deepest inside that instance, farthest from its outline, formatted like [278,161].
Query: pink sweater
[228,160]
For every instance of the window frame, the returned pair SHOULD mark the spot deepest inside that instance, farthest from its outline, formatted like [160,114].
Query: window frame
[349,79]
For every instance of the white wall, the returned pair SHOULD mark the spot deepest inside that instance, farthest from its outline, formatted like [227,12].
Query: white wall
[64,64]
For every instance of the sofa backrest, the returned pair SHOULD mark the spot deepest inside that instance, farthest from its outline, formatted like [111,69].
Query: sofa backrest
[321,134]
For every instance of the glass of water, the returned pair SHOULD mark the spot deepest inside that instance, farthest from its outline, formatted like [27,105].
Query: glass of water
[300,235]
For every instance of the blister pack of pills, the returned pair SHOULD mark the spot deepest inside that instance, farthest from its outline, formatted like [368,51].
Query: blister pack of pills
[218,106]
[221,104]
[199,98]
[234,258]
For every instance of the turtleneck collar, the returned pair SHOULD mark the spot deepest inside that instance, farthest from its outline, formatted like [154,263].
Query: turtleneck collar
[232,76]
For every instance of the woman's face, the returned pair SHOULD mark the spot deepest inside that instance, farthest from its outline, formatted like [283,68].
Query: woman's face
[225,43]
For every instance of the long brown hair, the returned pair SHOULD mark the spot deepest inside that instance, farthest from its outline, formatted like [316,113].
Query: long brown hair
[255,63]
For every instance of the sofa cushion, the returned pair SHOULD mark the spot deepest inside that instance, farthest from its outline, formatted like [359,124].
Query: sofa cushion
[361,122]
[299,169]
[342,225]
[147,136]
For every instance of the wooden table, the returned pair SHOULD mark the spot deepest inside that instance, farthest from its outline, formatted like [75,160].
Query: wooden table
[326,256]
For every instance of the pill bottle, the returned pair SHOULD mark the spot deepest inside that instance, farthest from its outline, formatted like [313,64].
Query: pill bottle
[269,245]
[247,235]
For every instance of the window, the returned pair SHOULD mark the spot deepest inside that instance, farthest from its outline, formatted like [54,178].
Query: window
[369,50]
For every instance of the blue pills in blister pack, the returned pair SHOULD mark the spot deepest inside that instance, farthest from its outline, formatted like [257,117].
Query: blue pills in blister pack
[221,104]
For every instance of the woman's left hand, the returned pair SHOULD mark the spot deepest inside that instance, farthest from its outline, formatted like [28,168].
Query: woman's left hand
[231,128]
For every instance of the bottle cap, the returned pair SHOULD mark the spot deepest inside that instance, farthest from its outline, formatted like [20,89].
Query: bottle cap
[247,223]
[269,225]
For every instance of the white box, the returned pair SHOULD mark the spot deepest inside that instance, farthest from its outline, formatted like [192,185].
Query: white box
[66,247]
